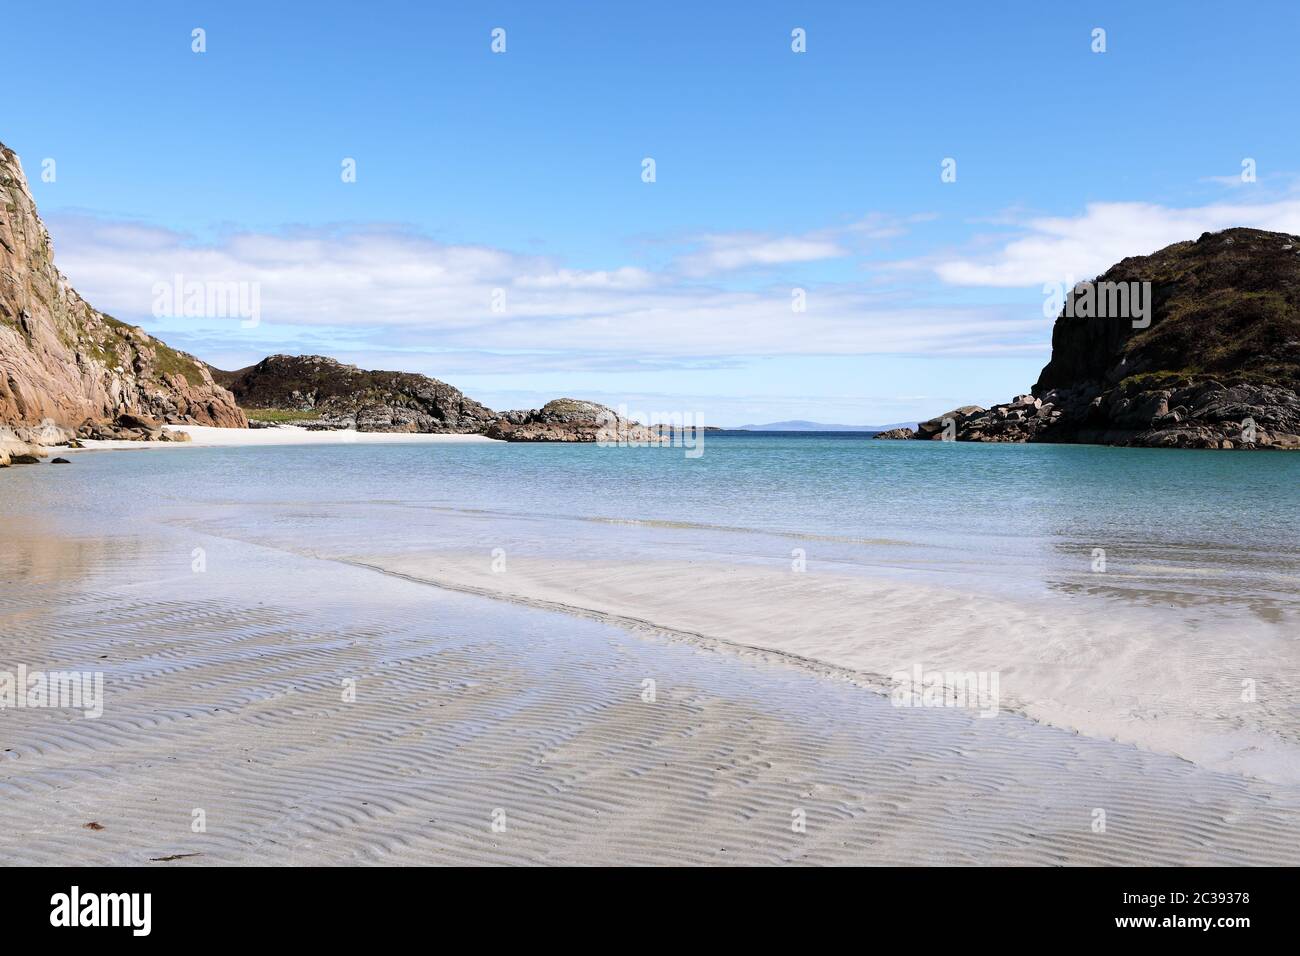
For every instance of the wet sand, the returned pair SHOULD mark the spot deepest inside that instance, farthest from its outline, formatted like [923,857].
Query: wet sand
[1140,677]
[225,694]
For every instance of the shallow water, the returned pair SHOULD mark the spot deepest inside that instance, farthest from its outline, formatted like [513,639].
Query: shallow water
[1199,591]
[1203,529]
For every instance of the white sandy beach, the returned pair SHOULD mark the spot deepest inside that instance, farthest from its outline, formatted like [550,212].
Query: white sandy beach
[205,436]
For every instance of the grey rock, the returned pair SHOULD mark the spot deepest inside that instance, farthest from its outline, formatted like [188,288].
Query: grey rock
[897,434]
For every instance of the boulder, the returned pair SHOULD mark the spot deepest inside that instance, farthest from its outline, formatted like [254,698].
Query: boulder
[138,421]
[15,450]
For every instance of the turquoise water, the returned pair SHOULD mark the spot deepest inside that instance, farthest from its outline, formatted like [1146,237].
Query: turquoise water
[1200,529]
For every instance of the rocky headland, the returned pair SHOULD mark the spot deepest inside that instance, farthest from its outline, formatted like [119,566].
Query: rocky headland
[316,392]
[67,369]
[1218,365]
[321,392]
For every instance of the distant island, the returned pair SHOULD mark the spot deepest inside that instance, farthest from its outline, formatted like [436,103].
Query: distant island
[799,425]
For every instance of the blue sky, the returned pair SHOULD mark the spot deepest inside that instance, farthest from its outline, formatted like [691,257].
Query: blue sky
[521,172]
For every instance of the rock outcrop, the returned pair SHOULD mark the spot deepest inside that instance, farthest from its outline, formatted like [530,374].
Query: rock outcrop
[130,427]
[18,450]
[947,422]
[344,396]
[63,363]
[1218,365]
[571,420]
[896,433]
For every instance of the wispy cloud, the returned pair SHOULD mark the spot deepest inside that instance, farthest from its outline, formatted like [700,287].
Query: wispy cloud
[388,284]
[724,253]
[728,252]
[1053,249]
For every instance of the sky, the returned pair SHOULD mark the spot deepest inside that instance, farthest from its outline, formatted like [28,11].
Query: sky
[798,252]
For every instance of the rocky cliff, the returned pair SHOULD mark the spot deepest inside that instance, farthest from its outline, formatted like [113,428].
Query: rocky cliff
[1218,365]
[331,395]
[65,363]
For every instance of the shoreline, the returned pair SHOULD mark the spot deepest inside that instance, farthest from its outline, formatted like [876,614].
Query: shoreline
[207,436]
[763,617]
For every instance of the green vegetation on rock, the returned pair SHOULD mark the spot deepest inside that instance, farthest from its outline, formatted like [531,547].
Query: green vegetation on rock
[171,362]
[280,414]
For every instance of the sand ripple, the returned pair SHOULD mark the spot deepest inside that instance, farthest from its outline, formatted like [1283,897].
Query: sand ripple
[229,699]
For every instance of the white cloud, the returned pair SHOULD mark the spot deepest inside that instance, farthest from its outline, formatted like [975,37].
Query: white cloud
[384,283]
[627,277]
[723,253]
[1080,247]
[727,252]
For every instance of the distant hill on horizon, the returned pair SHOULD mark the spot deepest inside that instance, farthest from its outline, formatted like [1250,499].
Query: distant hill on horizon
[799,425]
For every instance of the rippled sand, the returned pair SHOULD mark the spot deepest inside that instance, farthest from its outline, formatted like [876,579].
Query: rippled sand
[224,693]
[1134,676]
